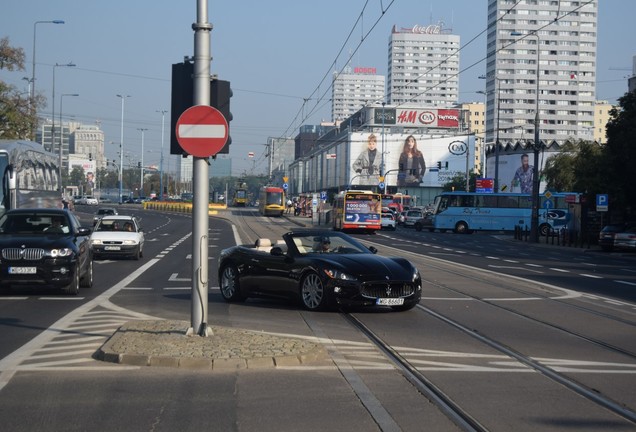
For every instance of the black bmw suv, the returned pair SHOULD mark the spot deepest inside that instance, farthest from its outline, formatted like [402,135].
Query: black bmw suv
[45,247]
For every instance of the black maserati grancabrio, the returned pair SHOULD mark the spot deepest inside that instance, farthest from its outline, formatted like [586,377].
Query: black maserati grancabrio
[322,269]
[45,247]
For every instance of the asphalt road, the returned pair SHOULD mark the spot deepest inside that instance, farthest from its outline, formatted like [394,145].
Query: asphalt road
[514,334]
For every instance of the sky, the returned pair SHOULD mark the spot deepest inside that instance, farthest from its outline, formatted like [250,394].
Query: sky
[279,56]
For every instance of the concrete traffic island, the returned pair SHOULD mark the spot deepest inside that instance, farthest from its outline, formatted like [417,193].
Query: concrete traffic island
[164,343]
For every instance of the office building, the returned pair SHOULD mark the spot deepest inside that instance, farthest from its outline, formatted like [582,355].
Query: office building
[423,66]
[351,90]
[544,47]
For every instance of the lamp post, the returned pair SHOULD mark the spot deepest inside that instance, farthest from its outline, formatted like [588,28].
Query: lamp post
[56,65]
[382,167]
[121,147]
[534,218]
[62,138]
[163,117]
[32,91]
[141,181]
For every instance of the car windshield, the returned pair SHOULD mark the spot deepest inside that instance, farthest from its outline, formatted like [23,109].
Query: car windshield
[115,225]
[330,243]
[34,223]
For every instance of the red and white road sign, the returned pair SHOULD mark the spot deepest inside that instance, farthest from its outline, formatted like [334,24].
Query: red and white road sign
[201,131]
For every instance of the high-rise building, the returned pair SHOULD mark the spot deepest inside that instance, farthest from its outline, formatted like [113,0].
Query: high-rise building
[601,117]
[88,140]
[353,90]
[541,54]
[423,66]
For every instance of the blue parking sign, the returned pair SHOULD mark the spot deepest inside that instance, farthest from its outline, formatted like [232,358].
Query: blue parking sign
[602,202]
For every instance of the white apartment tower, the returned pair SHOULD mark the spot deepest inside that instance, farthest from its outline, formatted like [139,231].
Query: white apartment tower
[543,49]
[352,91]
[423,66]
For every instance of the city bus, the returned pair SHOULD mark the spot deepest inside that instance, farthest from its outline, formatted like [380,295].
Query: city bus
[357,210]
[465,212]
[399,202]
[29,176]
[271,201]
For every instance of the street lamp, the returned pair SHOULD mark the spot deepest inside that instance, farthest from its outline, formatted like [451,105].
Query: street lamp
[33,59]
[534,218]
[70,64]
[163,118]
[141,182]
[62,138]
[121,147]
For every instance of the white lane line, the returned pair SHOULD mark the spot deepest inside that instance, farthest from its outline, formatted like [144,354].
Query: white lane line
[560,270]
[625,282]
[591,276]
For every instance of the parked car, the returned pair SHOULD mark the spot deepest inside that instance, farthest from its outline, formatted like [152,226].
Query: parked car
[105,211]
[388,220]
[626,238]
[321,269]
[412,216]
[118,235]
[607,236]
[45,247]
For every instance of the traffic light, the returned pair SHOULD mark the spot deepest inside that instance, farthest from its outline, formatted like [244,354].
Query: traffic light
[138,164]
[439,165]
[182,99]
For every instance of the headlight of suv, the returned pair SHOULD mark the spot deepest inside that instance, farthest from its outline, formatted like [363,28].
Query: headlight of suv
[59,253]
[337,274]
[130,242]
[416,275]
[96,242]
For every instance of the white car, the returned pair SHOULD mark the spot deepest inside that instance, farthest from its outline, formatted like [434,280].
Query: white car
[118,235]
[388,220]
[91,200]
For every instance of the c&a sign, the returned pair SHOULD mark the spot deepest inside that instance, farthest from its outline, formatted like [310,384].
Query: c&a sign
[446,118]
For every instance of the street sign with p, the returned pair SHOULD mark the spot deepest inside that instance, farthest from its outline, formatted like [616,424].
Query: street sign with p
[602,202]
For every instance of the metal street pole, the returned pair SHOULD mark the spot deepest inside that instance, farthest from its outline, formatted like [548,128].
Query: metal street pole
[382,167]
[141,180]
[52,149]
[536,178]
[62,137]
[32,90]
[121,148]
[497,135]
[163,116]
[200,177]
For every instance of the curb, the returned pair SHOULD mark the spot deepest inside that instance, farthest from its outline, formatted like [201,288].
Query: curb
[163,343]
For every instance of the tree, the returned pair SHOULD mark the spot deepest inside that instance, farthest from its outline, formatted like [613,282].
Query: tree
[620,156]
[458,183]
[18,118]
[578,167]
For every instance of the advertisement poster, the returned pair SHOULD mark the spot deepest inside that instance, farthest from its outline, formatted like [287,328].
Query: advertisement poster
[409,160]
[515,172]
[363,210]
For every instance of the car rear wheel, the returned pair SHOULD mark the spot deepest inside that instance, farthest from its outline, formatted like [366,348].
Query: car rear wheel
[87,280]
[230,285]
[73,287]
[137,253]
[312,293]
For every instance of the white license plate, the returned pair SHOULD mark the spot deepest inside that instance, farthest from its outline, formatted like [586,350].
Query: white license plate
[23,270]
[112,248]
[390,301]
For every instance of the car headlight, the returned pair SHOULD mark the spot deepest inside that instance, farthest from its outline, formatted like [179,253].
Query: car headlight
[416,275]
[59,253]
[130,242]
[337,274]
[96,242]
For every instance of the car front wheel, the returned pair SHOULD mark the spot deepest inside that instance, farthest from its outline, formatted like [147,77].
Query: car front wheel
[73,287]
[312,293]
[230,284]
[87,280]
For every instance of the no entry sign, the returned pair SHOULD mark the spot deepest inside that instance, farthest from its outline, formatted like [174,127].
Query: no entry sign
[201,131]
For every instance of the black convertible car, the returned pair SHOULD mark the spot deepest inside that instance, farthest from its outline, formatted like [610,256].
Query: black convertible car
[322,269]
[45,247]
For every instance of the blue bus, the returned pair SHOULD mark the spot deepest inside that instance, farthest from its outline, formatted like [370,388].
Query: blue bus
[465,212]
[29,176]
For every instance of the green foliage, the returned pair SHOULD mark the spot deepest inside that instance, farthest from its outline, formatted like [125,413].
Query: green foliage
[591,168]
[17,111]
[458,183]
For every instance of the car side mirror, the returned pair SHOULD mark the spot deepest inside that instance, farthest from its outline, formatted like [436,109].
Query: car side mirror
[84,231]
[373,249]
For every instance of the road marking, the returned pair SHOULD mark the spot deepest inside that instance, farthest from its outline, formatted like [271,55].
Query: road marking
[625,282]
[560,270]
[173,278]
[591,276]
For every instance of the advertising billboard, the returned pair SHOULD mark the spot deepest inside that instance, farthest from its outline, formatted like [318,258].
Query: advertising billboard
[515,171]
[89,167]
[410,160]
